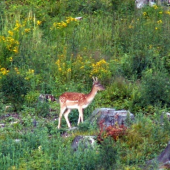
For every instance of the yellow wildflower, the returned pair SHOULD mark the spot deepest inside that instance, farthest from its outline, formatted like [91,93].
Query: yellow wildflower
[27,30]
[30,71]
[54,24]
[156,28]
[69,70]
[10,59]
[4,71]
[155,6]
[2,38]
[144,13]
[167,12]
[15,49]
[64,24]
[10,33]
[17,25]
[39,22]
[159,22]
[17,71]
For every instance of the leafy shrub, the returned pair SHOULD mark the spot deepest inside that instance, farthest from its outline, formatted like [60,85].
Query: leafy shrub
[144,139]
[31,97]
[115,131]
[42,109]
[109,154]
[117,95]
[155,88]
[14,88]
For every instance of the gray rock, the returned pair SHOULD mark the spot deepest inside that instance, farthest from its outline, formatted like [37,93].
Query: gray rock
[162,160]
[2,125]
[84,142]
[110,116]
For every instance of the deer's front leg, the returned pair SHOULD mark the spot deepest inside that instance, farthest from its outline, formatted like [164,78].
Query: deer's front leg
[66,113]
[80,115]
[60,116]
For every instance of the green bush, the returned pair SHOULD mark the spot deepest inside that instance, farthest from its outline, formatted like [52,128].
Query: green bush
[155,88]
[109,154]
[14,88]
[117,95]
[42,109]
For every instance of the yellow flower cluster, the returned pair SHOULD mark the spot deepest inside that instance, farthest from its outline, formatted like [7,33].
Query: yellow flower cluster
[10,43]
[155,6]
[27,30]
[79,63]
[39,22]
[29,74]
[17,70]
[64,70]
[167,12]
[145,13]
[17,25]
[3,71]
[63,24]
[99,68]
[61,62]
[159,22]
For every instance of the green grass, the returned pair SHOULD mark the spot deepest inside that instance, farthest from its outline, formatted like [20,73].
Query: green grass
[44,47]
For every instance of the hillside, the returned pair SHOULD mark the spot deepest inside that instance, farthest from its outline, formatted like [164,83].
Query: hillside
[52,46]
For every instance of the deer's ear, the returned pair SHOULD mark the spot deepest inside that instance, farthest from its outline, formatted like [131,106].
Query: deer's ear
[95,79]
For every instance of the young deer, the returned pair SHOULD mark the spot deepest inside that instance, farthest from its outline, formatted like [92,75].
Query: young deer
[72,100]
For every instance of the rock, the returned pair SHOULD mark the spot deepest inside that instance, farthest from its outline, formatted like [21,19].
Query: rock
[79,18]
[141,3]
[46,97]
[162,160]
[83,142]
[17,140]
[2,125]
[110,116]
[168,115]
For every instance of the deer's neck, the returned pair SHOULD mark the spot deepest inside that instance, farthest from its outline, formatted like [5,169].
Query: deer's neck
[91,95]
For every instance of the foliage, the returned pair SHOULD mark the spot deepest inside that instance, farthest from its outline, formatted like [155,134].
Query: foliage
[154,89]
[109,154]
[115,132]
[14,87]
[45,48]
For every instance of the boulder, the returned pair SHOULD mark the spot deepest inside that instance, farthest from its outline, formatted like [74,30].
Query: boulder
[162,160]
[46,97]
[84,142]
[110,116]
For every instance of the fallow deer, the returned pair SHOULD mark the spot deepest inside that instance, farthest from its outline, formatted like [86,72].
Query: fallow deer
[72,100]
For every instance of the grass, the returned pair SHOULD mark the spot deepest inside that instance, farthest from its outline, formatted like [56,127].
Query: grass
[44,47]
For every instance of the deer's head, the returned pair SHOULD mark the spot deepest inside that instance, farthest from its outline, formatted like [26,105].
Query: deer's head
[97,85]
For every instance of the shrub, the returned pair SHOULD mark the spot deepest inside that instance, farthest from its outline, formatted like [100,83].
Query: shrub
[115,132]
[42,109]
[117,95]
[155,88]
[109,154]
[14,87]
